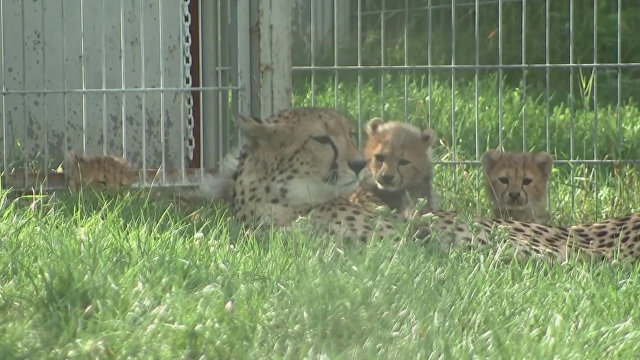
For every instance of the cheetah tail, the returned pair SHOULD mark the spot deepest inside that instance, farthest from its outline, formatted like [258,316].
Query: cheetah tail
[220,185]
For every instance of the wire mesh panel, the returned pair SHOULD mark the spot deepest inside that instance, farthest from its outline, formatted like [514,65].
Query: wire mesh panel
[520,75]
[116,77]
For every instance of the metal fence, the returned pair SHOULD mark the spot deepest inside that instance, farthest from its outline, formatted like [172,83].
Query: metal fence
[117,77]
[530,59]
[159,81]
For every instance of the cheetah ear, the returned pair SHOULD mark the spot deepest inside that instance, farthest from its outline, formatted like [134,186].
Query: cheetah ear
[373,125]
[490,158]
[428,137]
[256,129]
[545,162]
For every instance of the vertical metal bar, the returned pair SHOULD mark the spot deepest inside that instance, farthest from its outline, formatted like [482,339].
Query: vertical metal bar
[123,109]
[24,96]
[313,51]
[453,94]
[221,135]
[476,92]
[430,71]
[44,101]
[84,79]
[244,63]
[162,119]
[406,60]
[104,82]
[229,65]
[335,53]
[219,70]
[547,76]
[235,61]
[619,80]
[4,88]
[572,110]
[382,73]
[547,86]
[183,102]
[231,27]
[524,75]
[595,105]
[500,75]
[143,85]
[359,71]
[64,82]
[200,93]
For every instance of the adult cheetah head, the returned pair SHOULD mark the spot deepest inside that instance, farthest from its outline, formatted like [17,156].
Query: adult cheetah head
[399,154]
[303,156]
[517,180]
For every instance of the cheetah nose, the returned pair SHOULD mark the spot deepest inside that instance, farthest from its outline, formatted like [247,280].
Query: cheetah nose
[357,165]
[387,178]
[514,195]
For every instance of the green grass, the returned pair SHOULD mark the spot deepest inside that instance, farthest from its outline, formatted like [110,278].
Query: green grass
[120,277]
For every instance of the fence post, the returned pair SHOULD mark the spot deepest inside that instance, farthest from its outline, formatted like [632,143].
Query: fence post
[270,56]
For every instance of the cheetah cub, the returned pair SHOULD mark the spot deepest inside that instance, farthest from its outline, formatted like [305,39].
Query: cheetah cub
[517,184]
[399,160]
[97,171]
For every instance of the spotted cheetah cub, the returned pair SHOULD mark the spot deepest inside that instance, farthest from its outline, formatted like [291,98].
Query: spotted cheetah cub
[399,160]
[97,171]
[516,184]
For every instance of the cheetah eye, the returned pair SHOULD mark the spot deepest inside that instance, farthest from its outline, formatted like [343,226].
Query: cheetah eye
[379,157]
[403,162]
[526,181]
[504,179]
[353,135]
[322,139]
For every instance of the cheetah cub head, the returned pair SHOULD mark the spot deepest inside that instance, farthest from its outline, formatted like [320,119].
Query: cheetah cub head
[97,171]
[399,154]
[517,184]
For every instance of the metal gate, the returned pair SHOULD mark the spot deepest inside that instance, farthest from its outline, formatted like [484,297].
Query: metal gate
[155,81]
